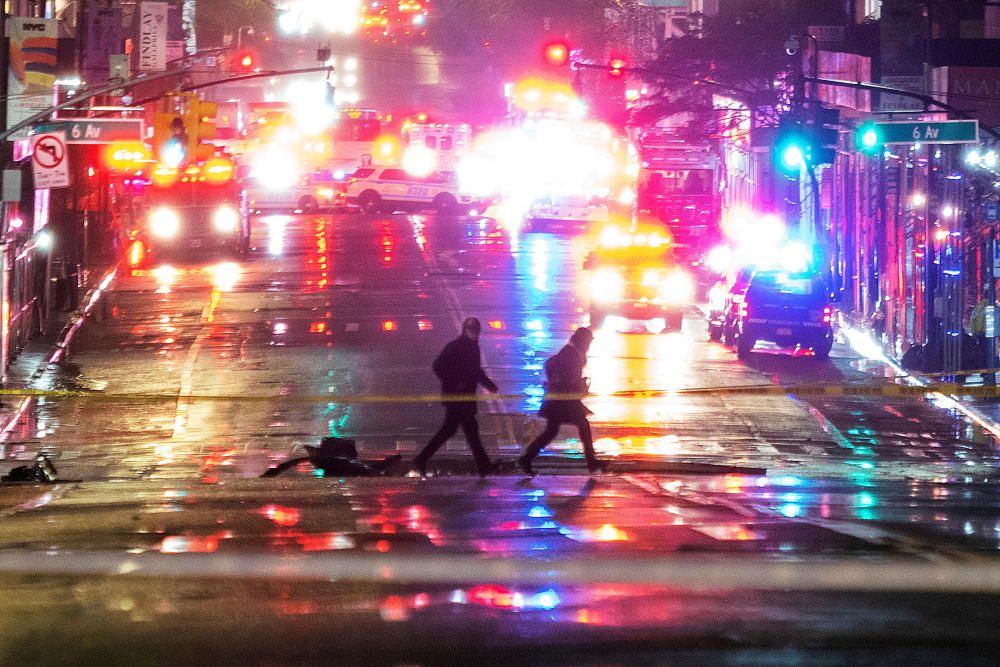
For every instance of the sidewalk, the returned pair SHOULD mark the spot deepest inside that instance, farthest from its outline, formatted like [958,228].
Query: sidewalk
[43,353]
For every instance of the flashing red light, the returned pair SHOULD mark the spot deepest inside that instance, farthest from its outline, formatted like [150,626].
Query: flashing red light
[389,325]
[557,53]
[616,67]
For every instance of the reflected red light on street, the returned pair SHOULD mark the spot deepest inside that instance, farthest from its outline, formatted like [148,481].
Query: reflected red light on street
[281,516]
[610,533]
[183,544]
[136,253]
[383,546]
[324,542]
[492,595]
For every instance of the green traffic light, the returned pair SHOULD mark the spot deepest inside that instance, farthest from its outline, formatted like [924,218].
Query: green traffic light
[868,137]
[792,157]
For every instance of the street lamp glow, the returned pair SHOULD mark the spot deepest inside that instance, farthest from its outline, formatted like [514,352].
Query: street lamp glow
[973,157]
[948,211]
[918,199]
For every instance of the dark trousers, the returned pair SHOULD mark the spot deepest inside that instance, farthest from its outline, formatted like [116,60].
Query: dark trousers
[455,416]
[552,430]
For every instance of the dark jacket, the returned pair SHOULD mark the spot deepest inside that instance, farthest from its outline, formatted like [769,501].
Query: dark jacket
[459,367]
[564,372]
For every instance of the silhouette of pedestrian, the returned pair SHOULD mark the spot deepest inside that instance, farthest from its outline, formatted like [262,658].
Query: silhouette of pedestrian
[564,372]
[459,367]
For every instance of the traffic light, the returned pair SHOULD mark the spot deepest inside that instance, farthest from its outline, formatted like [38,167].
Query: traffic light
[807,144]
[791,148]
[244,61]
[825,130]
[557,53]
[616,67]
[867,138]
[170,139]
[203,122]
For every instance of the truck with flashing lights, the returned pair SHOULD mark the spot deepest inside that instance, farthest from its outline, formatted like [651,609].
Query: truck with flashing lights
[634,277]
[680,183]
[196,208]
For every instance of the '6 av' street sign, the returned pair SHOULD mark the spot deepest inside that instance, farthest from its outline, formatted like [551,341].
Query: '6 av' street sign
[943,132]
[94,130]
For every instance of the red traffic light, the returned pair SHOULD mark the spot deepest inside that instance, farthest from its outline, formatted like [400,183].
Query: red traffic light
[616,67]
[245,61]
[557,53]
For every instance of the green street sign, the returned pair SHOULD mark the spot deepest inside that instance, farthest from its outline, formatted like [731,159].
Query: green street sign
[95,131]
[944,132]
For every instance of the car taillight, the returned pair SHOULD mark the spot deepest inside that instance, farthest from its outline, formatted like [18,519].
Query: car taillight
[827,314]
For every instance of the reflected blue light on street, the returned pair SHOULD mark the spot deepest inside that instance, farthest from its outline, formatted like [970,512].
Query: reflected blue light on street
[791,510]
[540,264]
[544,600]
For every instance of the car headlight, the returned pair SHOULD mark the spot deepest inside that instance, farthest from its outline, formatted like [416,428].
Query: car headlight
[607,286]
[164,223]
[225,220]
[325,193]
[678,288]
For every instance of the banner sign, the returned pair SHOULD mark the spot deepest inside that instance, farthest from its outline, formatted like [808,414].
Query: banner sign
[32,76]
[152,36]
[102,39]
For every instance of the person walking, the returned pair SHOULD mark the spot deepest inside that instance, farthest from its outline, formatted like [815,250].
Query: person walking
[459,367]
[564,372]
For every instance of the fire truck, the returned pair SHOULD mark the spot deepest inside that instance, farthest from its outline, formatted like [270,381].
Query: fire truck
[680,183]
[195,208]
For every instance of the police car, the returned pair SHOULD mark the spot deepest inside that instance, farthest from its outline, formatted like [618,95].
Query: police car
[386,189]
[320,189]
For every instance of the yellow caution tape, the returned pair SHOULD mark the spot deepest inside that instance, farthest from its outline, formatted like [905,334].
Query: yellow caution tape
[891,390]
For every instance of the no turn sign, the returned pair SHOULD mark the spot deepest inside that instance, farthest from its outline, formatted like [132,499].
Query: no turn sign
[49,162]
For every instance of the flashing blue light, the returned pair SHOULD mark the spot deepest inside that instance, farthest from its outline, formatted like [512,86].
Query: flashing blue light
[534,325]
[787,480]
[540,512]
[796,257]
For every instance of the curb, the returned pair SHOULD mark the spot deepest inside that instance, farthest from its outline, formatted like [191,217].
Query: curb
[864,344]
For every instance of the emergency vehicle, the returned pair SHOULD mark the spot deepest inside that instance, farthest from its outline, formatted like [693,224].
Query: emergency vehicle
[385,189]
[679,183]
[634,276]
[198,207]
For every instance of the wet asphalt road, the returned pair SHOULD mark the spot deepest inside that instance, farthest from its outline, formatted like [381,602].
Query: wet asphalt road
[236,365]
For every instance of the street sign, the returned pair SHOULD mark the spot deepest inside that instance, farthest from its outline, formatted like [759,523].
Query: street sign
[943,132]
[96,131]
[991,211]
[49,162]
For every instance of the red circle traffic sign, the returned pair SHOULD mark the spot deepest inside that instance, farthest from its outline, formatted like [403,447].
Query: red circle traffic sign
[49,151]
